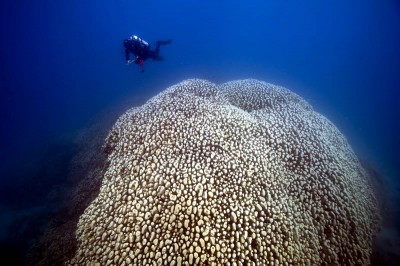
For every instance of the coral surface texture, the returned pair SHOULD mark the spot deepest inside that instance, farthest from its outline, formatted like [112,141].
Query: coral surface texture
[241,173]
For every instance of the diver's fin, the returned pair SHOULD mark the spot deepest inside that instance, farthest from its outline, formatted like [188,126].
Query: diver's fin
[163,42]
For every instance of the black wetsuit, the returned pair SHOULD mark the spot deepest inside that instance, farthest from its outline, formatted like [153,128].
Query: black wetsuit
[141,50]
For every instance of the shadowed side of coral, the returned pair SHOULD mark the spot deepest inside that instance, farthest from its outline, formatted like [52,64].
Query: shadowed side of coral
[86,170]
[58,243]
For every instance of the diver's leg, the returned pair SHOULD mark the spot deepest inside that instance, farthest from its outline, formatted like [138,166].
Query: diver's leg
[156,56]
[158,44]
[156,51]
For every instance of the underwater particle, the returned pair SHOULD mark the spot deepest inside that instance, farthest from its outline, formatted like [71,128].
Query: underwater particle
[241,172]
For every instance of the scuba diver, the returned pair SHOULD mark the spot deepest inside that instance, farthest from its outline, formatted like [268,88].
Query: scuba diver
[141,50]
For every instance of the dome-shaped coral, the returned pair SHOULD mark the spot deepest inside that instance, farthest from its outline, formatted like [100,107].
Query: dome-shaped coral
[244,172]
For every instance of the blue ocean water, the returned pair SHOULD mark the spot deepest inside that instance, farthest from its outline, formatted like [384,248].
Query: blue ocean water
[62,64]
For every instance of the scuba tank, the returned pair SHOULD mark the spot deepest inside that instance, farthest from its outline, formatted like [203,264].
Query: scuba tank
[137,39]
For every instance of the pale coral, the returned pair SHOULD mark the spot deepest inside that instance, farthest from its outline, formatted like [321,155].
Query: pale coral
[243,172]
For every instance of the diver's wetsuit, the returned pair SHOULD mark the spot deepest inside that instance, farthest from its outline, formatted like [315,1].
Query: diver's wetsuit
[141,50]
